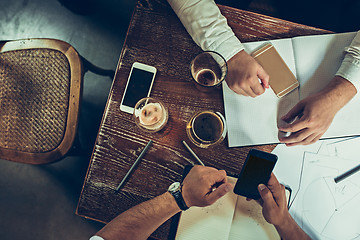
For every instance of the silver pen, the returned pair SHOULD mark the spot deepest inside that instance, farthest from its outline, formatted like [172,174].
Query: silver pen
[192,153]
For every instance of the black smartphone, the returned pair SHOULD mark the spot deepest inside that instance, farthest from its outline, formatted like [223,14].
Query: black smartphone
[257,169]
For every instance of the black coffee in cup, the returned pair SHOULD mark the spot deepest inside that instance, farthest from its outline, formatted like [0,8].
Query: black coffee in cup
[208,127]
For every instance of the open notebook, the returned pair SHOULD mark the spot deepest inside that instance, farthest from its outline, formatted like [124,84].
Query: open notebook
[314,60]
[231,217]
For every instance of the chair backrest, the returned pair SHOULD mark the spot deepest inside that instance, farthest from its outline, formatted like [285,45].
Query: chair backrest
[40,92]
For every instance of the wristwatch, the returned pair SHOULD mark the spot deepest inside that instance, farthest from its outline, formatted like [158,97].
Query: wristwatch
[175,190]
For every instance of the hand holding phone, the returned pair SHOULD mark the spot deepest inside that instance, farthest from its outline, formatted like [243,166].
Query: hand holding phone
[282,80]
[257,169]
[138,86]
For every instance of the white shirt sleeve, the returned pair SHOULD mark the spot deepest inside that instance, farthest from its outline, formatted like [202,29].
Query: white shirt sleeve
[350,67]
[96,238]
[207,26]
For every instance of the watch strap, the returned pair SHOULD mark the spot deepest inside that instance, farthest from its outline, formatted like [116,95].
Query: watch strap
[180,200]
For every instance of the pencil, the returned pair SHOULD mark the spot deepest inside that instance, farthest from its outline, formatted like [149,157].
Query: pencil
[134,165]
[347,174]
[192,153]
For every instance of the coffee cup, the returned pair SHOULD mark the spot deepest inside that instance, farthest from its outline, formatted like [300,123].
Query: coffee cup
[209,70]
[206,128]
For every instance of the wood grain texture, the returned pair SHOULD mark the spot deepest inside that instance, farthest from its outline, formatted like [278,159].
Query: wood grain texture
[157,37]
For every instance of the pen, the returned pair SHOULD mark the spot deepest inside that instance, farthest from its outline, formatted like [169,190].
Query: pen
[347,174]
[192,153]
[134,165]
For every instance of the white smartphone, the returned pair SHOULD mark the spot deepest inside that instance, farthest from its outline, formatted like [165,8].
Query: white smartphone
[138,86]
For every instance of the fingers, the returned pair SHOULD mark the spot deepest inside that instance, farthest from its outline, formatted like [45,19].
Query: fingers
[204,185]
[244,74]
[219,192]
[267,197]
[218,177]
[294,112]
[264,77]
[276,189]
[303,137]
[258,89]
[241,92]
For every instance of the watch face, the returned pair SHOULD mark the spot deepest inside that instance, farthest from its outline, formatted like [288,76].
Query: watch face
[173,187]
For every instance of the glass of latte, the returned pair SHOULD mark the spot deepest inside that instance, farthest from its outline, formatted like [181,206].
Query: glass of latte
[150,114]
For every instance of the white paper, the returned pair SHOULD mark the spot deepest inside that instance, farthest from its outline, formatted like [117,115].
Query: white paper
[324,209]
[329,210]
[211,222]
[253,121]
[314,60]
[249,223]
[231,217]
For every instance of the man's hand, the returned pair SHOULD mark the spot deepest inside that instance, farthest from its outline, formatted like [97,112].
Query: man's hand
[316,112]
[274,202]
[204,185]
[275,211]
[244,74]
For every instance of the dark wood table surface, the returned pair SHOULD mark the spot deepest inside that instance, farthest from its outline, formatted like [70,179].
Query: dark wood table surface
[157,37]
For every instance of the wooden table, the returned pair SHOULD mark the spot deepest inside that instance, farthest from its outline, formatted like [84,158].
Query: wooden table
[157,37]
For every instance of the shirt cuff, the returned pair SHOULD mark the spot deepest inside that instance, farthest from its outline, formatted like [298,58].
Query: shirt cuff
[96,238]
[229,47]
[350,70]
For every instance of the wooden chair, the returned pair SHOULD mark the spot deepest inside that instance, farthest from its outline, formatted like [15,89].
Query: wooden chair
[40,92]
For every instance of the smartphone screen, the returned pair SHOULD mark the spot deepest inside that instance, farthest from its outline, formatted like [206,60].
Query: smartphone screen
[257,169]
[138,86]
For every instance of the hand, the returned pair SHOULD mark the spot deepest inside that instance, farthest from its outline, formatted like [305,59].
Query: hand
[316,112]
[275,210]
[198,186]
[244,74]
[274,202]
[313,115]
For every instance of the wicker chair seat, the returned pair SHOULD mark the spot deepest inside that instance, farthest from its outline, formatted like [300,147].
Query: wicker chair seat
[35,90]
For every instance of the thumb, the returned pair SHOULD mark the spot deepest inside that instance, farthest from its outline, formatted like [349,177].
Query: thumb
[264,77]
[219,192]
[295,111]
[266,196]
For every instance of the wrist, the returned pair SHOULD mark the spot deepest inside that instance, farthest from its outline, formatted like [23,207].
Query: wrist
[286,222]
[175,189]
[173,206]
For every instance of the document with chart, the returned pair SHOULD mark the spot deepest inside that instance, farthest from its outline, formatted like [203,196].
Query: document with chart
[314,60]
[322,207]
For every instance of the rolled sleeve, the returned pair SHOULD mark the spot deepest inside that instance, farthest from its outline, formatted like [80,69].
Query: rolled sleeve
[207,26]
[350,67]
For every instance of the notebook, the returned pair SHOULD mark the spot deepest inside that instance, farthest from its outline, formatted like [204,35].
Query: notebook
[314,60]
[230,217]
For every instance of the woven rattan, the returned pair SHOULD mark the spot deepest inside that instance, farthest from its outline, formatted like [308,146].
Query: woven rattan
[34,99]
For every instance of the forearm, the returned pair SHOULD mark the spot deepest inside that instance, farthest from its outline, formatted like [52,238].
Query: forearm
[140,221]
[207,26]
[291,231]
[339,91]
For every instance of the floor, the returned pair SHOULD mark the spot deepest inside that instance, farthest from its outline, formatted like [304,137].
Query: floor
[39,202]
